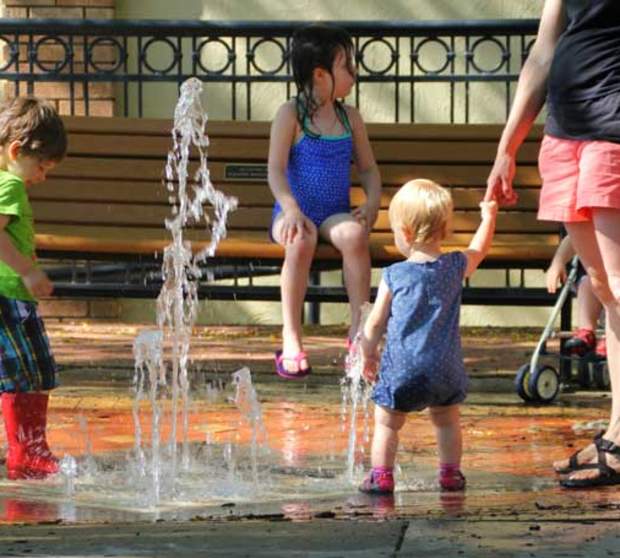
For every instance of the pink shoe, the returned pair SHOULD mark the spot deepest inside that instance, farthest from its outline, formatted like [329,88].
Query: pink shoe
[582,342]
[601,348]
[452,481]
[379,483]
[284,373]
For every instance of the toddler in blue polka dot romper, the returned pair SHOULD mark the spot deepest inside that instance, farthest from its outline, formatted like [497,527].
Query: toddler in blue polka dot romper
[418,305]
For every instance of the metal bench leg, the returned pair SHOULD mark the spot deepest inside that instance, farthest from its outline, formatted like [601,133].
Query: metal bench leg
[314,307]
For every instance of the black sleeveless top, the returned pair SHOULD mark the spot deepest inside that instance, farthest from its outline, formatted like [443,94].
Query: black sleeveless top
[583,97]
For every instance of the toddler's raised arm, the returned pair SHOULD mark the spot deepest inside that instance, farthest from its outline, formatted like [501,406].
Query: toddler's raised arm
[480,244]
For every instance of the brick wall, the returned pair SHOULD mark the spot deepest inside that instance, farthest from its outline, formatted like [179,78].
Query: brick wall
[100,95]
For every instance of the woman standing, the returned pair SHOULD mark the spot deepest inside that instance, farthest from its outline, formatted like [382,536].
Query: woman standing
[574,65]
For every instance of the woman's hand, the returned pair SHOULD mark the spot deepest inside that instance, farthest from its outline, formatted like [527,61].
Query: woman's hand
[294,225]
[499,182]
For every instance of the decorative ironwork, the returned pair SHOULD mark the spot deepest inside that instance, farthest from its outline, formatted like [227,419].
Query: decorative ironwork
[403,58]
[416,56]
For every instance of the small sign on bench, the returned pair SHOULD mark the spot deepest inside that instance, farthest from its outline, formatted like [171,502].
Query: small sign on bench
[242,171]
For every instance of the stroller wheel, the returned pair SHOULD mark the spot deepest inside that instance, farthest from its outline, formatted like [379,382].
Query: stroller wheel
[600,375]
[584,375]
[522,383]
[544,384]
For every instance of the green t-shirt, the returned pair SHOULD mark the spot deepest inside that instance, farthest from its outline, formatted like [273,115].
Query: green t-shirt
[14,203]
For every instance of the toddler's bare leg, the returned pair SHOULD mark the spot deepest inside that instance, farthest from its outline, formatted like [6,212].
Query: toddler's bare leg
[447,423]
[385,437]
[351,239]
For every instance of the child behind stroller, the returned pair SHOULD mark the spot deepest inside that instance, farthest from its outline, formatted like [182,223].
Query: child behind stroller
[589,308]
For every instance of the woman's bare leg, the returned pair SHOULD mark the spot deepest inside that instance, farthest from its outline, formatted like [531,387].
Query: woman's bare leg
[598,246]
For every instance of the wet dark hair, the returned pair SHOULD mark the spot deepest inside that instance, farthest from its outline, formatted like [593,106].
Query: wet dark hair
[36,125]
[316,46]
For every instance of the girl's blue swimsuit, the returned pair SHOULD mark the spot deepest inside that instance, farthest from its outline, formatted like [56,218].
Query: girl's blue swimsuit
[319,174]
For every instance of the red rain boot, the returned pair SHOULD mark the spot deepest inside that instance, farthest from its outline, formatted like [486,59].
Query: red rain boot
[25,418]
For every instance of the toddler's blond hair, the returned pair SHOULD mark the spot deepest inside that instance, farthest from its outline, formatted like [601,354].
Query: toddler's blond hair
[422,209]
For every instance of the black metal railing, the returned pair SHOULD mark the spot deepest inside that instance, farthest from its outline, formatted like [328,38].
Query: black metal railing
[406,62]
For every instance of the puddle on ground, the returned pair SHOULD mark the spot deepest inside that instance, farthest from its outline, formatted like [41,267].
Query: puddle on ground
[301,463]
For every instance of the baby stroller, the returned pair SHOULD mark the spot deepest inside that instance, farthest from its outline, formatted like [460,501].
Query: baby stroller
[538,381]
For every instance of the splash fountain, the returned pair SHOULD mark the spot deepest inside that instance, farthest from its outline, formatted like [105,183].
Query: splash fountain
[222,453]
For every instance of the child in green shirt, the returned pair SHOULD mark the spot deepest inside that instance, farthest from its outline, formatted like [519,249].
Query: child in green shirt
[32,142]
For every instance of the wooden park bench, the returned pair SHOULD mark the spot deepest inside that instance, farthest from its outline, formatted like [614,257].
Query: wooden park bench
[101,212]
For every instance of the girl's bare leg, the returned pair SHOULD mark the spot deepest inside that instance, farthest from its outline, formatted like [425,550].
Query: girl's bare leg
[293,284]
[351,239]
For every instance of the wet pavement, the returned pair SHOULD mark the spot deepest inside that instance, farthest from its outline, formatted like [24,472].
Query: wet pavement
[300,499]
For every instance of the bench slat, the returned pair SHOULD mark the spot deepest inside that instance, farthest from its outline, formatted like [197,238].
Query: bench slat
[248,194]
[227,128]
[58,237]
[391,174]
[250,218]
[256,149]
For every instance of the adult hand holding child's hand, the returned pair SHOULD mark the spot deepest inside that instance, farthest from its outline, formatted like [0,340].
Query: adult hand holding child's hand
[499,182]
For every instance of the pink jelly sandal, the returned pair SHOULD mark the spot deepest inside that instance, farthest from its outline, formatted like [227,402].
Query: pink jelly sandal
[452,481]
[284,373]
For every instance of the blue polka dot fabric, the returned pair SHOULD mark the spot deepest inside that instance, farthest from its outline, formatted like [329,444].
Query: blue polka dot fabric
[319,174]
[422,361]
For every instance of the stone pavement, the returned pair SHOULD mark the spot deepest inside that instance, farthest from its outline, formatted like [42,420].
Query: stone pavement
[490,353]
[321,538]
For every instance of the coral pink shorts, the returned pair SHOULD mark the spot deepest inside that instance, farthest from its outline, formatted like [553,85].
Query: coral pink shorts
[577,176]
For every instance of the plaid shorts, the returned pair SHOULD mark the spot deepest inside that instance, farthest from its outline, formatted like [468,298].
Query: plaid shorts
[26,359]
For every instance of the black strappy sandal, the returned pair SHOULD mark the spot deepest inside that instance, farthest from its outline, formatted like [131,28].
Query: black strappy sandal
[573,464]
[606,475]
